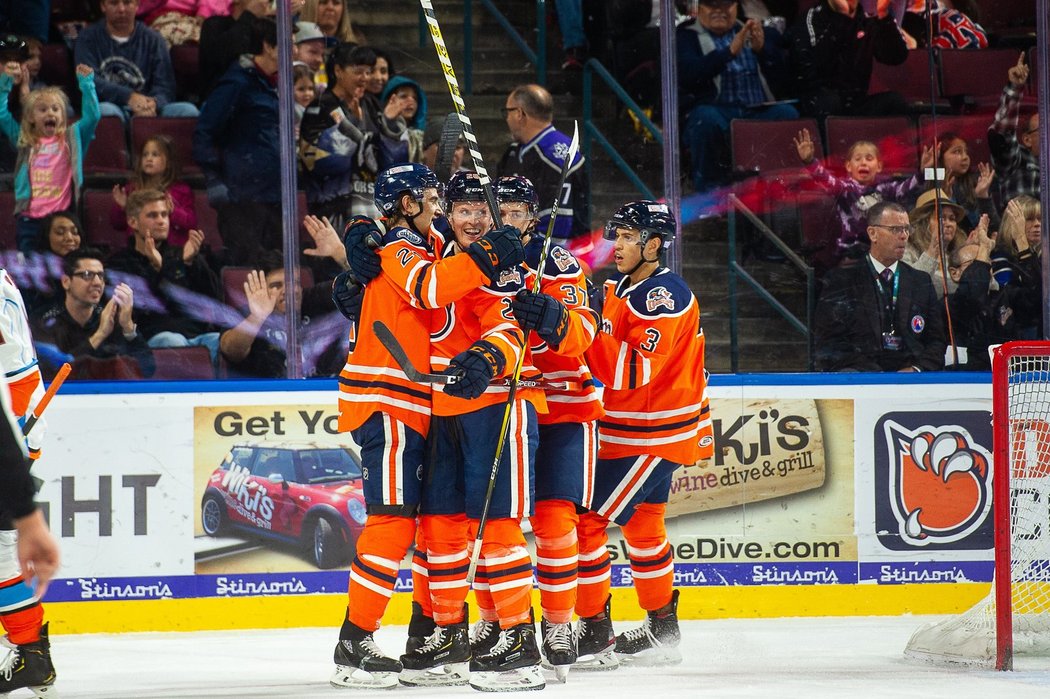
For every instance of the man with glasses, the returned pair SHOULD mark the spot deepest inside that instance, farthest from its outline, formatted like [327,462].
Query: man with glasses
[1015,151]
[538,152]
[880,314]
[82,326]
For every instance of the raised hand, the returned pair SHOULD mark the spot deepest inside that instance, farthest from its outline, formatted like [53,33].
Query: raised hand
[326,240]
[107,320]
[120,195]
[929,157]
[1018,73]
[84,70]
[192,246]
[151,252]
[260,301]
[758,36]
[985,175]
[125,300]
[804,146]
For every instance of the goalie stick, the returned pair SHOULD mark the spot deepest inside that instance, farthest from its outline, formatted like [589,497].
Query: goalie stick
[386,337]
[56,384]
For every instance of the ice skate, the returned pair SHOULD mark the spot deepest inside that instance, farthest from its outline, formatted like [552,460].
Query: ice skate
[420,626]
[441,661]
[656,641]
[559,648]
[595,641]
[29,666]
[359,662]
[512,665]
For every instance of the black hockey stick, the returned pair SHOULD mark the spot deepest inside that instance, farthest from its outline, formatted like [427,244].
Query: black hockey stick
[447,145]
[505,428]
[461,109]
[393,346]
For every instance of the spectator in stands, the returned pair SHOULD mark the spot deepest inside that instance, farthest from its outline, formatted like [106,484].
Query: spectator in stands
[413,105]
[1015,155]
[381,73]
[858,192]
[310,51]
[225,38]
[955,21]
[724,70]
[573,38]
[49,170]
[969,187]
[179,21]
[236,146]
[39,277]
[60,233]
[537,152]
[257,346]
[135,76]
[35,49]
[156,167]
[305,90]
[985,313]
[343,144]
[880,315]
[1016,257]
[832,47]
[103,339]
[333,19]
[935,234]
[150,264]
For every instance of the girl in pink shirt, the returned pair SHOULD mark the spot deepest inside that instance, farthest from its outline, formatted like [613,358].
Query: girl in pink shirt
[157,168]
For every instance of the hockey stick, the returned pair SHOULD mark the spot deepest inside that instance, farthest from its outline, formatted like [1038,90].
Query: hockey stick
[505,428]
[461,109]
[414,374]
[56,384]
[447,145]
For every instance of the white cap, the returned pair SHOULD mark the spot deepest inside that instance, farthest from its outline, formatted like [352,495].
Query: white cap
[308,31]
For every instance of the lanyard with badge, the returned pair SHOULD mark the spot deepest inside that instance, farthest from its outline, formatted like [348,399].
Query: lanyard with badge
[891,341]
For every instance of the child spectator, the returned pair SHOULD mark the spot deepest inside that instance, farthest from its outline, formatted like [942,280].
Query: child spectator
[861,190]
[401,93]
[49,171]
[971,189]
[157,168]
[305,92]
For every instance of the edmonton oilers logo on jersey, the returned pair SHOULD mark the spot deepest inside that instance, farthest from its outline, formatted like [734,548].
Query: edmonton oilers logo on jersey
[933,475]
[658,297]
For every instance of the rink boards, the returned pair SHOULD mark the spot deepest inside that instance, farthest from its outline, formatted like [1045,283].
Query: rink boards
[827,495]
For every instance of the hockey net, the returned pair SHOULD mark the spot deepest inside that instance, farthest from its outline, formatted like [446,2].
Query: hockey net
[1015,616]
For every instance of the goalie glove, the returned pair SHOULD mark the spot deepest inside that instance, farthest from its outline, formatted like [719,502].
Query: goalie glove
[347,295]
[475,367]
[542,313]
[361,238]
[500,249]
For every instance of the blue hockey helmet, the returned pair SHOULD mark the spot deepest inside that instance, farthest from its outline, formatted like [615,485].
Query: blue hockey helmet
[649,218]
[515,188]
[393,182]
[464,186]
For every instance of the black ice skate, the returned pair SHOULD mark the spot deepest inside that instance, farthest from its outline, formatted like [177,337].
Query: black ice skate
[441,661]
[359,662]
[595,640]
[559,647]
[483,636]
[420,626]
[512,665]
[656,641]
[29,666]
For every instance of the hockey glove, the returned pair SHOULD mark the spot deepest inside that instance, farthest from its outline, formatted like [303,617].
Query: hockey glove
[542,313]
[347,295]
[475,367]
[500,249]
[361,237]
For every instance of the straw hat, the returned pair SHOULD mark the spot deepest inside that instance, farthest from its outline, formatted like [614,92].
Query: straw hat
[924,206]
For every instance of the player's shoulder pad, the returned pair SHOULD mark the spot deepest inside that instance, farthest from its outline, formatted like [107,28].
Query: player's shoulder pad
[663,294]
[400,233]
[555,146]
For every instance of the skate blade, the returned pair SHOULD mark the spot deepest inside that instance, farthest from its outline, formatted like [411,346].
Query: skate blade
[345,676]
[652,657]
[449,675]
[44,691]
[560,672]
[525,679]
[597,662]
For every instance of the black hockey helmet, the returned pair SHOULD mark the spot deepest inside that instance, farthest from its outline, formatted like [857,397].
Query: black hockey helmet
[649,218]
[515,188]
[464,186]
[393,182]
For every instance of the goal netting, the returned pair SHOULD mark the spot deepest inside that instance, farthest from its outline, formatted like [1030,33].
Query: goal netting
[1015,616]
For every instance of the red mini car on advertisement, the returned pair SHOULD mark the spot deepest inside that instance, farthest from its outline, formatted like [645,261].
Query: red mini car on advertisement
[305,493]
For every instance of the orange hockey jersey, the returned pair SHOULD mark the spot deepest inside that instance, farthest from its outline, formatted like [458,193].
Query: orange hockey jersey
[563,279]
[650,356]
[413,283]
[483,314]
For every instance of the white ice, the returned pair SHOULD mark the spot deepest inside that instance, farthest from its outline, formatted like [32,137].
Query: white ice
[812,657]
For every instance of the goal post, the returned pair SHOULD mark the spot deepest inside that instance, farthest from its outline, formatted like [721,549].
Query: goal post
[1015,616]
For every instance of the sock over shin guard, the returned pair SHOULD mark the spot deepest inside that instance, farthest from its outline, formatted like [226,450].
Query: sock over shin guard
[557,551]
[508,569]
[595,571]
[20,612]
[373,572]
[652,562]
[421,574]
[447,563]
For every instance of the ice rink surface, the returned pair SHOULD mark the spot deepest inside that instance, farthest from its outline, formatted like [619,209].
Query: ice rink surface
[837,657]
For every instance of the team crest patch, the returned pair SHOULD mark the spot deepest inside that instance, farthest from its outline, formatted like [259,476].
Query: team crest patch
[408,235]
[660,296]
[508,276]
[918,324]
[562,258]
[560,151]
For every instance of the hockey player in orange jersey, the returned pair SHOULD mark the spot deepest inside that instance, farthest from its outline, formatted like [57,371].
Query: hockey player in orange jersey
[562,326]
[387,414]
[650,357]
[477,340]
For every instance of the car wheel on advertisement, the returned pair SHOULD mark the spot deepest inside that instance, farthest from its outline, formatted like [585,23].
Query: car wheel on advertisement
[326,544]
[213,516]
